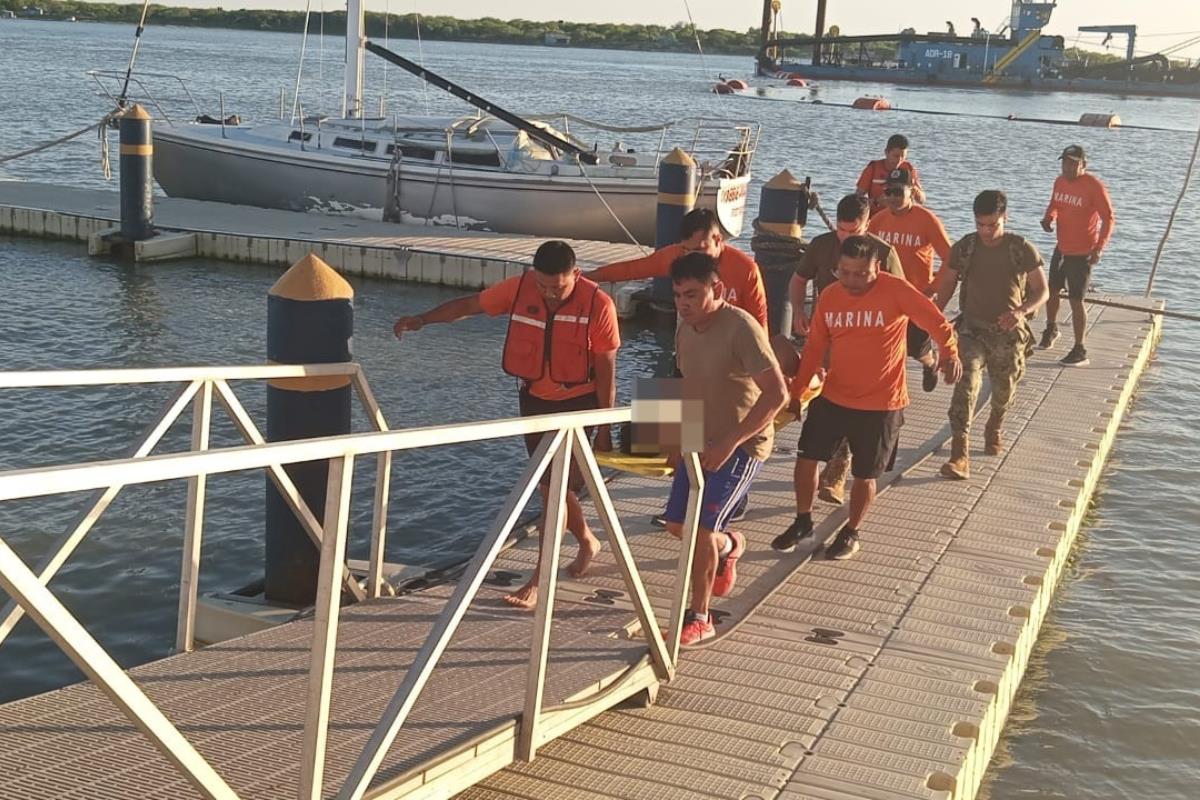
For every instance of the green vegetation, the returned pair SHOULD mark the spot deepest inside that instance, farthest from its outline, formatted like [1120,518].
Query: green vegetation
[677,37]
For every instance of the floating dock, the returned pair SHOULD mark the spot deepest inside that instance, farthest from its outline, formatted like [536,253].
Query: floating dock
[885,677]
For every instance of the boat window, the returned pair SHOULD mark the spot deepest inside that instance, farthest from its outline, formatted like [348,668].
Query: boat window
[365,145]
[408,151]
[477,159]
[298,136]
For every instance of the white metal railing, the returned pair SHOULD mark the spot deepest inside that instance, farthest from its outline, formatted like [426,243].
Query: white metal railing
[566,443]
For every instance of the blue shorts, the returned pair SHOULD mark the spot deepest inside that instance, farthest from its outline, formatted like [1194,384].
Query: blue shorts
[723,490]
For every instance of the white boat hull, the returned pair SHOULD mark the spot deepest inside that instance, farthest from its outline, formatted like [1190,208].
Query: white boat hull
[197,163]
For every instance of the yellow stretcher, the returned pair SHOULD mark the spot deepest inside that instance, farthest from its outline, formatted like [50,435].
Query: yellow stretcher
[657,466]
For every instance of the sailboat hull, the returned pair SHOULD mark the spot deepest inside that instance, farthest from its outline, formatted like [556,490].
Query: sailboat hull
[200,164]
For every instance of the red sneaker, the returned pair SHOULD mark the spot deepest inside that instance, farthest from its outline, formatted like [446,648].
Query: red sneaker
[727,567]
[695,631]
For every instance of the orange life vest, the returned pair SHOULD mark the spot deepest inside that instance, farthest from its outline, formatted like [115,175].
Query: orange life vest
[537,338]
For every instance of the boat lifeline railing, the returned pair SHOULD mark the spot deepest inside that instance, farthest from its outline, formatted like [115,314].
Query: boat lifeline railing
[565,443]
[140,93]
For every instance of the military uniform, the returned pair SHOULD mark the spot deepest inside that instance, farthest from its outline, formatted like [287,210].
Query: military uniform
[992,283]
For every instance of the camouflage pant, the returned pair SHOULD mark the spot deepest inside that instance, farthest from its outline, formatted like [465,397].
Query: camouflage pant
[1002,354]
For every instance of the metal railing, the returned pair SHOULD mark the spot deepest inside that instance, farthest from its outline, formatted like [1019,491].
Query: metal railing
[566,443]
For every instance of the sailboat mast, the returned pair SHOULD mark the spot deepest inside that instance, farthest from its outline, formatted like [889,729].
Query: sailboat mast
[352,107]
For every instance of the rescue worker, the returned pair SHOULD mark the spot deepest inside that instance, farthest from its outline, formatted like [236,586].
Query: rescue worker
[819,266]
[859,325]
[700,232]
[1002,285]
[917,234]
[1084,212]
[573,369]
[873,180]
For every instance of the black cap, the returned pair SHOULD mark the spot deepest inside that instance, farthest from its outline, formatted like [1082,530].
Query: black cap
[899,177]
[1075,152]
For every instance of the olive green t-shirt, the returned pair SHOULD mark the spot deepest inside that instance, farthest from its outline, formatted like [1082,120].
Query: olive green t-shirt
[820,260]
[718,365]
[995,278]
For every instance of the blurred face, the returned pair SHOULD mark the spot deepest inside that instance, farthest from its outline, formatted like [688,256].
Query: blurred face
[857,274]
[895,157]
[990,227]
[845,230]
[1072,168]
[556,288]
[694,300]
[898,198]
[708,242]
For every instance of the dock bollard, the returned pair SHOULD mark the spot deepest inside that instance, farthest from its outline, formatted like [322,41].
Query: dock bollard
[676,197]
[137,175]
[778,243]
[310,320]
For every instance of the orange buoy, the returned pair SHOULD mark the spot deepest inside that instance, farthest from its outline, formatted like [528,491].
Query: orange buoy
[1100,120]
[872,104]
[797,82]
[737,84]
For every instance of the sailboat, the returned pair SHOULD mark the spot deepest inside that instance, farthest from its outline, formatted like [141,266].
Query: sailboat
[490,170]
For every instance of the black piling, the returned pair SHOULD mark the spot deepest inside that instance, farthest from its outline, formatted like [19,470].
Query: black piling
[676,197]
[137,175]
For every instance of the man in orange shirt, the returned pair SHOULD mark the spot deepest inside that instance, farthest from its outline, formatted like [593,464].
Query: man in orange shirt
[873,181]
[572,369]
[1084,211]
[917,234]
[860,324]
[700,232]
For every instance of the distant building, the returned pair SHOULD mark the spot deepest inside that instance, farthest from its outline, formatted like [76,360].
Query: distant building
[6,14]
[32,11]
[557,39]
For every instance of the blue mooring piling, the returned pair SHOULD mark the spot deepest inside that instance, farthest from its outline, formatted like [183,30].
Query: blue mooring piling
[137,175]
[310,320]
[782,214]
[676,197]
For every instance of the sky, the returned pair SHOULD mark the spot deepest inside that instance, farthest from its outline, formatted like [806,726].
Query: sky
[1160,22]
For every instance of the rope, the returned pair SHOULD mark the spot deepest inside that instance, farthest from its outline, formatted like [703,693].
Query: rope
[1187,180]
[696,34]
[582,171]
[321,66]
[300,69]
[824,218]
[47,145]
[775,252]
[387,13]
[450,161]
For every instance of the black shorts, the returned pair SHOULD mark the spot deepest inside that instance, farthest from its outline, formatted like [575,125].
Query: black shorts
[873,436]
[532,406]
[1071,273]
[919,342]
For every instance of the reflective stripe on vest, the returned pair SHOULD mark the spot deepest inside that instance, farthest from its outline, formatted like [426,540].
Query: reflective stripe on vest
[564,343]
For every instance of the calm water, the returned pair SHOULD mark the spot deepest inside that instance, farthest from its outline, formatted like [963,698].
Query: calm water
[1110,706]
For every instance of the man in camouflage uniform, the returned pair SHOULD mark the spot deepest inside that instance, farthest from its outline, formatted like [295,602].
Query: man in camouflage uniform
[1002,284]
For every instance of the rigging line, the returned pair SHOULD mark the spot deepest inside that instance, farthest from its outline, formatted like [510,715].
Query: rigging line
[387,13]
[321,64]
[703,63]
[421,57]
[300,69]
[137,41]
[608,208]
[1187,180]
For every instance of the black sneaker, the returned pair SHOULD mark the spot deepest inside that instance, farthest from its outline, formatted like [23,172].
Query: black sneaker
[1076,358]
[797,532]
[1049,337]
[659,520]
[928,378]
[843,546]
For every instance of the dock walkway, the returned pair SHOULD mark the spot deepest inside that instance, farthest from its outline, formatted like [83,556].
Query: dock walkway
[888,676]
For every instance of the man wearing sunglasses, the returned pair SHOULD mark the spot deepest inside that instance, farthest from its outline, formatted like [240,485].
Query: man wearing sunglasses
[918,235]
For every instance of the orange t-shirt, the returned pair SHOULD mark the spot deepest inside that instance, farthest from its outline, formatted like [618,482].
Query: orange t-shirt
[1084,212]
[604,335]
[873,180]
[917,235]
[864,336]
[738,272]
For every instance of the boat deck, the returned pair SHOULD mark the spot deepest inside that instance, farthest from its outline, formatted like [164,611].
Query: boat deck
[888,676]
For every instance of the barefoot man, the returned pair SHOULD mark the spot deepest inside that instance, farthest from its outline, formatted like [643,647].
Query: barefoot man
[571,369]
